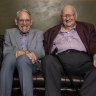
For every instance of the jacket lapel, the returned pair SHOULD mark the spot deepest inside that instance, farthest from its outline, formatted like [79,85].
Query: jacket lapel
[17,38]
[30,37]
[81,33]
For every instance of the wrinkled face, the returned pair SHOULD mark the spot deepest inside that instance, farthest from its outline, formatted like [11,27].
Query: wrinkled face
[23,22]
[69,16]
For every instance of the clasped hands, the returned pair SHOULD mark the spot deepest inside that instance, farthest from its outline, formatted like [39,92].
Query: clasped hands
[31,55]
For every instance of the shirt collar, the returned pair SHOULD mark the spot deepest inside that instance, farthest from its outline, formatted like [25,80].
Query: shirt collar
[74,28]
[25,34]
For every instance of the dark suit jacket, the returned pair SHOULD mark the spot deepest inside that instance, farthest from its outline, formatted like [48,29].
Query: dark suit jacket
[86,32]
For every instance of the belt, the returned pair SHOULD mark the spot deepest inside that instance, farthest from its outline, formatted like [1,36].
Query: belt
[67,51]
[73,50]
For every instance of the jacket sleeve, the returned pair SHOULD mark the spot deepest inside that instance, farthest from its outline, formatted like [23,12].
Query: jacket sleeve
[45,43]
[7,46]
[92,40]
[39,49]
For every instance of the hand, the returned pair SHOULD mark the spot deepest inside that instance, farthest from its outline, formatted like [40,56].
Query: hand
[94,62]
[21,52]
[32,56]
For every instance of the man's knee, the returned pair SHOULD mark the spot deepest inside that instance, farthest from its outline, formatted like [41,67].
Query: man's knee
[47,61]
[23,60]
[9,61]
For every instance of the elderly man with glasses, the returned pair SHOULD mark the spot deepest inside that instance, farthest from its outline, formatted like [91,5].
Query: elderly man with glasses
[23,47]
[76,44]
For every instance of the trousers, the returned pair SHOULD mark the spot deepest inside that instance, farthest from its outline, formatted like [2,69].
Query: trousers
[76,63]
[25,69]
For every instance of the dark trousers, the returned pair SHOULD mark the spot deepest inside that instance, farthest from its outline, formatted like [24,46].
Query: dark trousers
[76,63]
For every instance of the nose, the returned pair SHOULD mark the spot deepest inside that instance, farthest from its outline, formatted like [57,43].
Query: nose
[24,22]
[67,17]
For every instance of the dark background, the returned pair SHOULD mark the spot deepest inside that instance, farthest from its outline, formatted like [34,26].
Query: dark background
[45,13]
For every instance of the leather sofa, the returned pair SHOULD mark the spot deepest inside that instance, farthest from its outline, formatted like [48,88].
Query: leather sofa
[38,79]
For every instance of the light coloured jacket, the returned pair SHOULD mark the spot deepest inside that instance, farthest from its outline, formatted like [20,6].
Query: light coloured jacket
[12,42]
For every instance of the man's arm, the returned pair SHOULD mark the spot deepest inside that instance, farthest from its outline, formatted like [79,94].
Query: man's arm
[45,43]
[92,44]
[38,50]
[7,46]
[92,40]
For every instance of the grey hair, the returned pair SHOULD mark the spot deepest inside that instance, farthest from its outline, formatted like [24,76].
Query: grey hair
[25,10]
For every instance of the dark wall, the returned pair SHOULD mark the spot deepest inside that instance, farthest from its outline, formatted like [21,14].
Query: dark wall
[45,13]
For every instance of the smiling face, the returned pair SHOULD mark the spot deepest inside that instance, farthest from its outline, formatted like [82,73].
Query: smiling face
[23,21]
[68,16]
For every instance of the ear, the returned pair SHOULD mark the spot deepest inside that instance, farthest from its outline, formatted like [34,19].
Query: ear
[31,21]
[16,22]
[76,15]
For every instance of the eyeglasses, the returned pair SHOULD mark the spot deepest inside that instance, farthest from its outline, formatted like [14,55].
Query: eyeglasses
[26,20]
[68,15]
